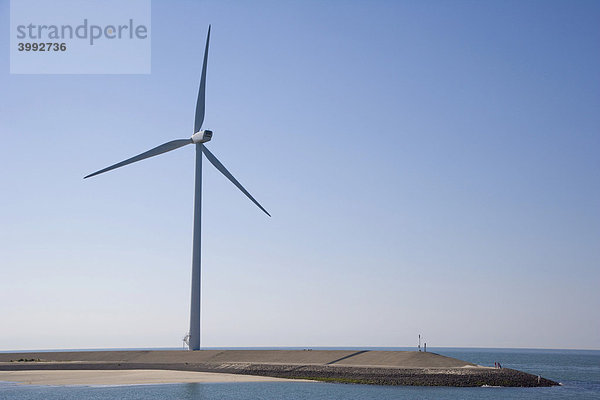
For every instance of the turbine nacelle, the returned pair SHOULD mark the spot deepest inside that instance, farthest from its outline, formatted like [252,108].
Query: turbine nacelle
[202,136]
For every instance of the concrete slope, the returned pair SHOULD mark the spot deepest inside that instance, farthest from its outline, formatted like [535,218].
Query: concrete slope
[405,359]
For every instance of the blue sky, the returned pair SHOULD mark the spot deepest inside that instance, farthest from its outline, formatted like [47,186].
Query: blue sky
[431,167]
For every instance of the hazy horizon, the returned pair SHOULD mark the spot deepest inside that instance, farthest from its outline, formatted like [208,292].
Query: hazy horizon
[370,348]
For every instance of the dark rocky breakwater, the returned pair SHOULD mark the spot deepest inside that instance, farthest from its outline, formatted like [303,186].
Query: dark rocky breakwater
[458,377]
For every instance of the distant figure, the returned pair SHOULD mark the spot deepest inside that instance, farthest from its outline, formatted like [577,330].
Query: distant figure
[425,347]
[499,366]
[495,364]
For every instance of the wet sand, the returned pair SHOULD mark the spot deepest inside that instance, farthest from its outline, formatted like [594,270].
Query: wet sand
[125,377]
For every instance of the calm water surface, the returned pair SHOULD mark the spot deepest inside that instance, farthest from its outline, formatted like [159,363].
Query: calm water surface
[577,370]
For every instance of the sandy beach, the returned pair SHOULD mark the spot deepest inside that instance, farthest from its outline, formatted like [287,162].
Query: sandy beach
[125,377]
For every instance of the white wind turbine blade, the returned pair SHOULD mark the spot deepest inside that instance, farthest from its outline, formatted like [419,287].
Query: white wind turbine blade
[228,175]
[163,148]
[201,91]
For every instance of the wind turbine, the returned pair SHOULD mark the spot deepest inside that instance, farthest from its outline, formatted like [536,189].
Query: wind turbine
[198,139]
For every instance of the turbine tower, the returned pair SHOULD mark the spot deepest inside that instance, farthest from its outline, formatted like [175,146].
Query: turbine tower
[198,139]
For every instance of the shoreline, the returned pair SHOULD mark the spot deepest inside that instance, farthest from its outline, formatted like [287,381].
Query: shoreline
[361,367]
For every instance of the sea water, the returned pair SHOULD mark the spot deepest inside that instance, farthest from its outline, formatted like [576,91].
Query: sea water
[577,370]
